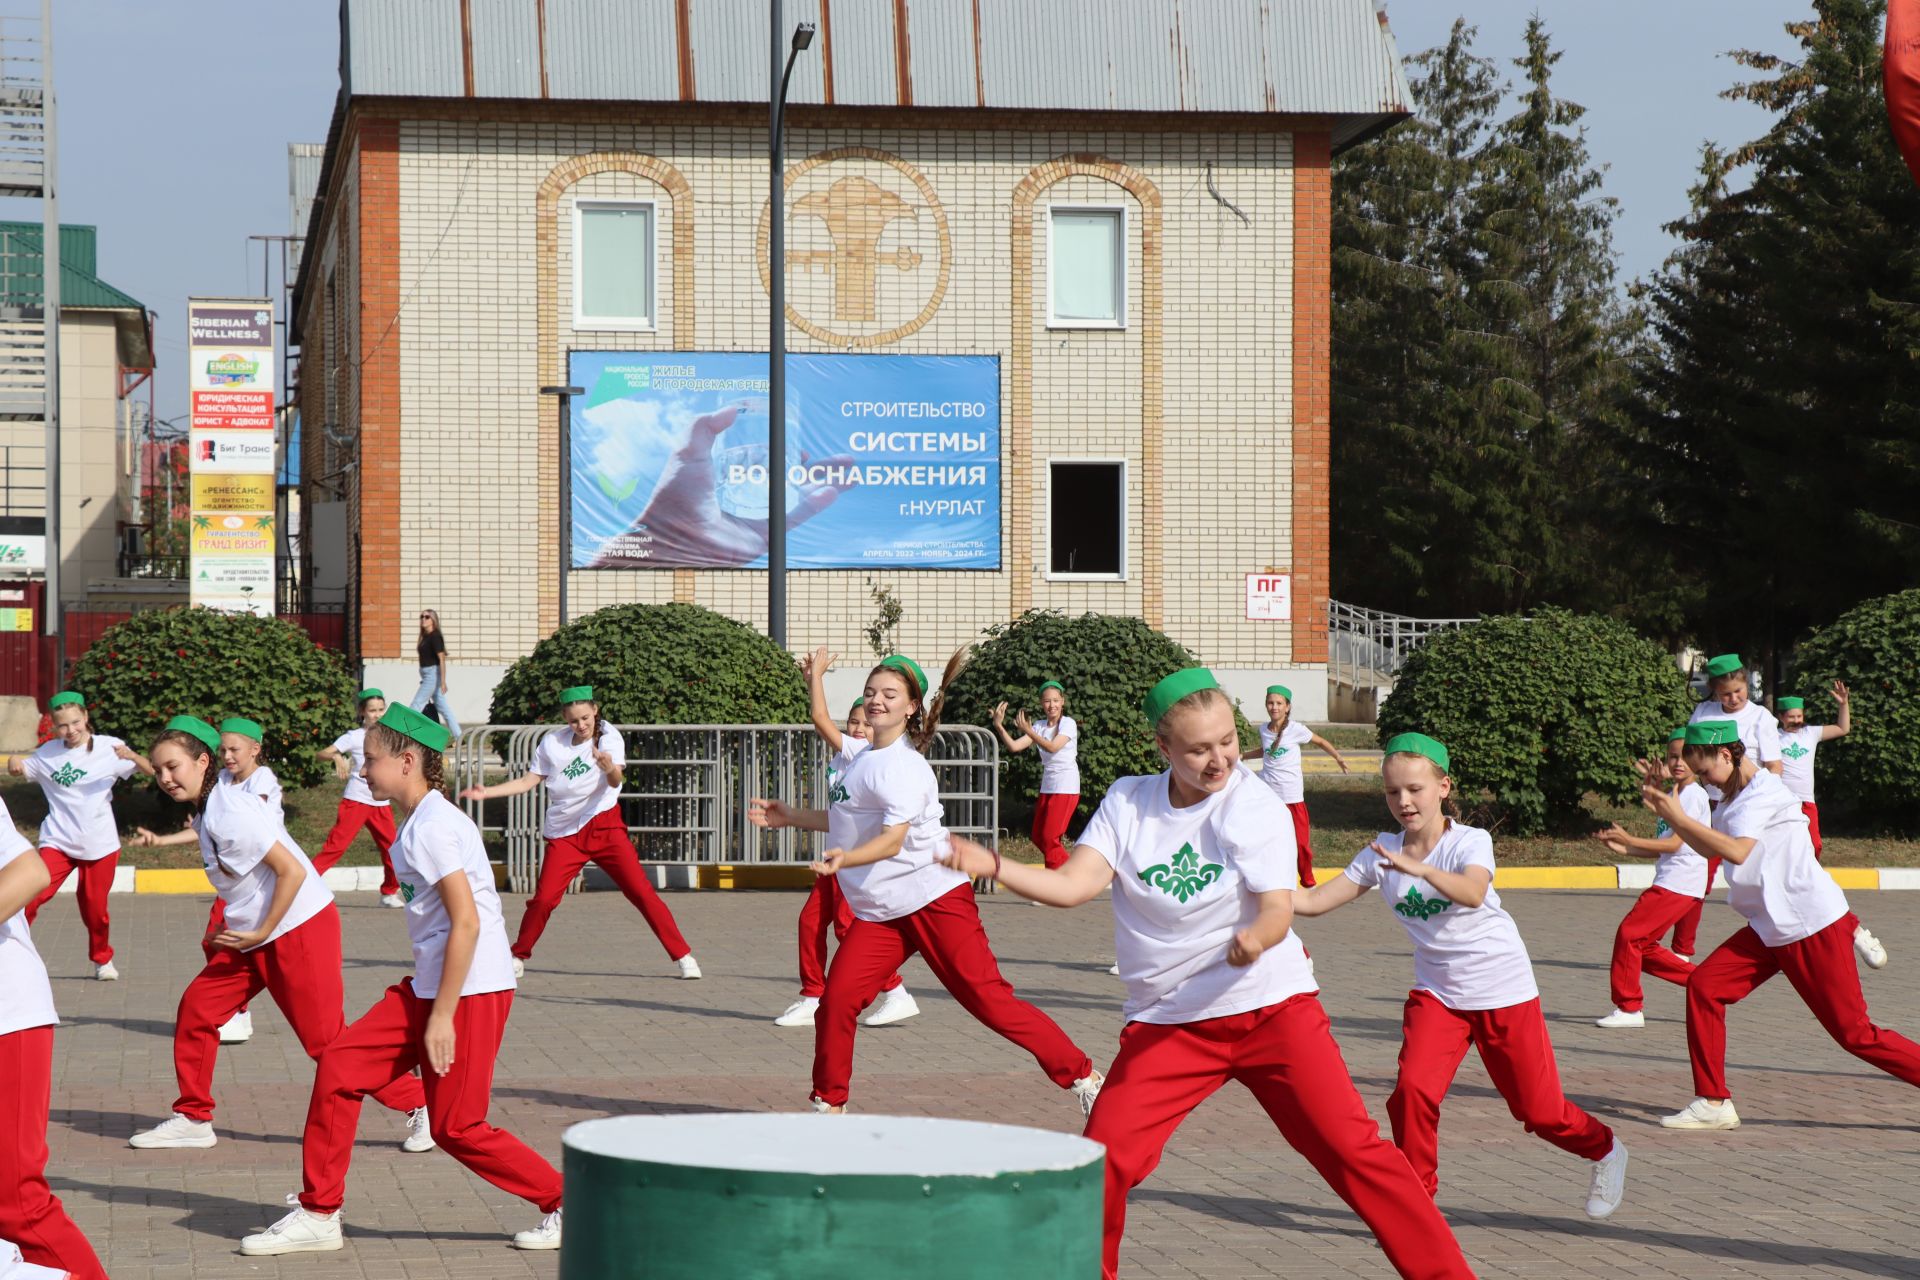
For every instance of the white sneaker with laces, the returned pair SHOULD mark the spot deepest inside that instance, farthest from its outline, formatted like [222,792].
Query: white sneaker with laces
[1609,1184]
[238,1029]
[175,1131]
[799,1013]
[392,900]
[689,967]
[893,1006]
[544,1236]
[107,973]
[1872,954]
[1086,1089]
[1622,1018]
[419,1132]
[519,967]
[298,1232]
[1703,1114]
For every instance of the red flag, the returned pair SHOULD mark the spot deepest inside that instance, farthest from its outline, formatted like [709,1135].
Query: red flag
[1901,70]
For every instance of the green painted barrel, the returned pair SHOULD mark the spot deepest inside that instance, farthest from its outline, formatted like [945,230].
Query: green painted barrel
[828,1197]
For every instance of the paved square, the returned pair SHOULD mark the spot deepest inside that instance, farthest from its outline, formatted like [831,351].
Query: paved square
[1818,1182]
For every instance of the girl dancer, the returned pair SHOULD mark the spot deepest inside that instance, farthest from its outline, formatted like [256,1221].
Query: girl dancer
[358,808]
[281,934]
[77,769]
[884,841]
[1280,743]
[1797,921]
[1218,985]
[1679,883]
[1057,739]
[1473,980]
[1799,740]
[826,905]
[434,662]
[449,1017]
[581,764]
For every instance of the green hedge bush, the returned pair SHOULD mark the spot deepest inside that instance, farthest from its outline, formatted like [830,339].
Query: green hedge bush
[657,664]
[1538,712]
[1875,647]
[1107,664]
[200,662]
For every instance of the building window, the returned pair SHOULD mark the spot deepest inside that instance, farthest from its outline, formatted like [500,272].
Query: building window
[613,265]
[1087,519]
[1087,267]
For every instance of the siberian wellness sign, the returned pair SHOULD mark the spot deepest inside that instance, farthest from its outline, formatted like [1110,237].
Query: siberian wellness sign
[892,461]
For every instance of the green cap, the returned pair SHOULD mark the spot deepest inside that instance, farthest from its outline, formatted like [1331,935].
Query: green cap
[1713,733]
[579,693]
[1419,744]
[1162,696]
[65,698]
[1054,684]
[1789,704]
[1724,665]
[409,723]
[244,727]
[195,727]
[900,662]
[860,704]
[1678,735]
[364,694]
[1282,690]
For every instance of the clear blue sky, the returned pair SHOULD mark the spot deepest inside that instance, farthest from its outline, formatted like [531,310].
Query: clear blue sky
[176,115]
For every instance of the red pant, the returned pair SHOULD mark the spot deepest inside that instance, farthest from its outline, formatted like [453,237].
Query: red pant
[1284,1054]
[377,818]
[1052,811]
[1821,969]
[96,880]
[377,1052]
[602,841]
[947,933]
[1636,945]
[825,906]
[31,1215]
[1686,933]
[1303,840]
[301,970]
[1518,1056]
[1812,811]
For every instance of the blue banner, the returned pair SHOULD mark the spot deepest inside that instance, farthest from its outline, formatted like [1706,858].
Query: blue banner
[892,461]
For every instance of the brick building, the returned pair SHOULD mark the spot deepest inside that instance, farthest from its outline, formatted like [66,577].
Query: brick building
[1124,205]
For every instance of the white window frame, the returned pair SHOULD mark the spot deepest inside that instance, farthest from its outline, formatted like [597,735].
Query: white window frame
[1120,268]
[1126,527]
[618,324]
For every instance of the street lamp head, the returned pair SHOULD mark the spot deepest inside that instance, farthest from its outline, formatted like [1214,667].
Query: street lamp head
[563,391]
[802,36]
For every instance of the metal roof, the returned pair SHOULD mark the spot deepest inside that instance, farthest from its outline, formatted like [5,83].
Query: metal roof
[1319,57]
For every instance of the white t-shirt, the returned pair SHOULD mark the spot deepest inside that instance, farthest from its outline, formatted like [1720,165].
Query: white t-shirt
[1684,871]
[838,763]
[15,1267]
[1796,760]
[1467,957]
[883,787]
[1059,770]
[1781,889]
[1280,760]
[26,998]
[79,786]
[236,831]
[261,782]
[353,745]
[1758,730]
[436,841]
[1185,881]
[577,792]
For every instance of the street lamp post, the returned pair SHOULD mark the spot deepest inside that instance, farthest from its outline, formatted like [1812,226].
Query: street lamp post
[778,76]
[565,395]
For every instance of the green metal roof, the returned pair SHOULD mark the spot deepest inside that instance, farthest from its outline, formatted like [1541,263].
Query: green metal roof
[21,253]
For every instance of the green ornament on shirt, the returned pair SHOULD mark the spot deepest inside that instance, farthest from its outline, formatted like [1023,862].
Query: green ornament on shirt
[1793,751]
[1185,876]
[1417,907]
[576,767]
[68,775]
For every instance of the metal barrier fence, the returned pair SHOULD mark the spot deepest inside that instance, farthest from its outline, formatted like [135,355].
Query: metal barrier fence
[685,796]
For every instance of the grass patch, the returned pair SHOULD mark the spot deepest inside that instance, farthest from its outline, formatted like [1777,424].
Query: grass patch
[1349,737]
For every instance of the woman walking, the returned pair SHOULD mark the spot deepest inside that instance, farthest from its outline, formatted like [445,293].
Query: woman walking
[1056,737]
[431,648]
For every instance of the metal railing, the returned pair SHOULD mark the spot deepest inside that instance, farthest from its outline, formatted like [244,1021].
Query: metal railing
[1365,647]
[172,568]
[687,789]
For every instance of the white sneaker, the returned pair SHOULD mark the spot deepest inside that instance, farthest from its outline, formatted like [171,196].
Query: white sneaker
[107,973]
[1115,971]
[238,1029]
[1087,1088]
[1622,1018]
[1609,1182]
[1702,1114]
[799,1013]
[689,967]
[419,1133]
[1684,956]
[298,1232]
[827,1109]
[392,900]
[893,1006]
[519,967]
[544,1236]
[175,1131]
[1872,954]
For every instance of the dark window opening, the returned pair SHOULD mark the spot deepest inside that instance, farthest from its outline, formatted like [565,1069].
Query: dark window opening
[1089,518]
